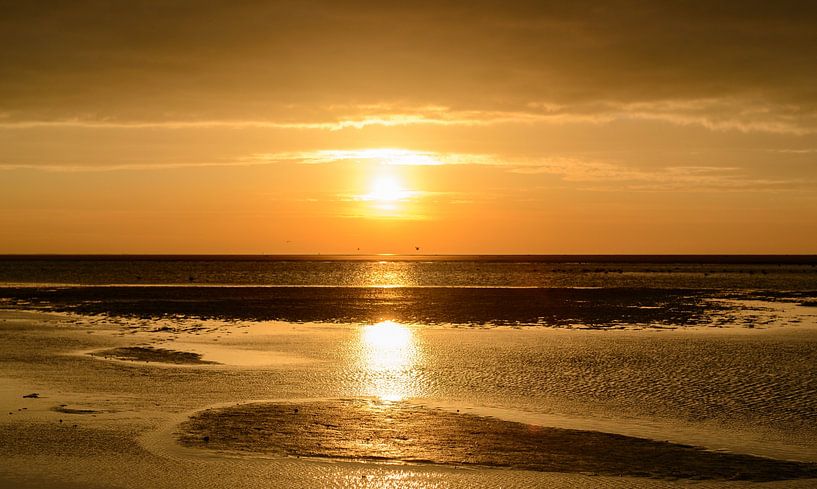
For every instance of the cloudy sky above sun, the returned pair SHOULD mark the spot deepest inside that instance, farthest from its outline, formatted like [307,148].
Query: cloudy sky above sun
[365,127]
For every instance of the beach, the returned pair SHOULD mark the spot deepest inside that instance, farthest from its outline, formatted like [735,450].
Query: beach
[93,399]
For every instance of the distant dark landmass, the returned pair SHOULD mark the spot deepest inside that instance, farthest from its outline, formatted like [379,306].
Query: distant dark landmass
[596,308]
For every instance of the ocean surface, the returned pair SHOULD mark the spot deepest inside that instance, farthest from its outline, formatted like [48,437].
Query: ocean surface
[565,291]
[789,272]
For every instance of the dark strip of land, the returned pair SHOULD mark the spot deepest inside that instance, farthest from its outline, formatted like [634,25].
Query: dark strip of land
[599,308]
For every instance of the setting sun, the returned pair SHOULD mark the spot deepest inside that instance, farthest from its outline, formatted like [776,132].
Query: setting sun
[386,189]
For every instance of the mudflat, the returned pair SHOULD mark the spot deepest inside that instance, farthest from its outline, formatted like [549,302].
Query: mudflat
[403,405]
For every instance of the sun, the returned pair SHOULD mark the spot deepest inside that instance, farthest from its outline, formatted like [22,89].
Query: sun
[386,188]
[386,192]
[387,196]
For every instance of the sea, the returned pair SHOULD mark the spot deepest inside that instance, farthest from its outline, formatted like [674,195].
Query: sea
[779,272]
[595,291]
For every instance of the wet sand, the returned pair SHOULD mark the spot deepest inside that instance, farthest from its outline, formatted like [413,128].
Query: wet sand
[96,422]
[360,429]
[596,308]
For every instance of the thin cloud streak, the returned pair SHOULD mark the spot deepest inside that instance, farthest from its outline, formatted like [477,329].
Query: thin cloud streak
[724,114]
[606,175]
[384,156]
[577,170]
[53,168]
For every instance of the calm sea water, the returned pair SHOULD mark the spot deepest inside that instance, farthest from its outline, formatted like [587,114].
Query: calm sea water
[597,292]
[696,272]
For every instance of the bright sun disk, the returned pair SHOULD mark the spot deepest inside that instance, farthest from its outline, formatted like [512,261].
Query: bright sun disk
[387,189]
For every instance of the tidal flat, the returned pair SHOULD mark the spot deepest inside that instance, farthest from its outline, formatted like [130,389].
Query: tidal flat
[391,404]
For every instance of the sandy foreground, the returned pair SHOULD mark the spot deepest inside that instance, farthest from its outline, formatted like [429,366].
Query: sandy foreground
[183,403]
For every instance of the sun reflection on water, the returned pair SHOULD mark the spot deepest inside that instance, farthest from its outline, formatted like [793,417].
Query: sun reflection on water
[387,274]
[390,354]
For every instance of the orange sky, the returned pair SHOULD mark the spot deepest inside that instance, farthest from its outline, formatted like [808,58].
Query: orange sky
[456,127]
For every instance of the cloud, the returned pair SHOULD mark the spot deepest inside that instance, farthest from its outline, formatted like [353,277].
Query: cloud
[73,168]
[383,156]
[327,65]
[605,176]
[589,173]
[745,115]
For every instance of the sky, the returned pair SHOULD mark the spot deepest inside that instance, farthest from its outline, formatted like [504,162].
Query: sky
[420,127]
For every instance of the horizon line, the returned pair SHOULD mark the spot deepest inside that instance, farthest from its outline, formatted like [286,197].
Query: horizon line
[736,258]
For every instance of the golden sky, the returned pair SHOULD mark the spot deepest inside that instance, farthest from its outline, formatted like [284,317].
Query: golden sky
[363,127]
